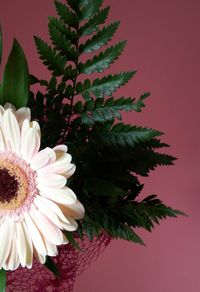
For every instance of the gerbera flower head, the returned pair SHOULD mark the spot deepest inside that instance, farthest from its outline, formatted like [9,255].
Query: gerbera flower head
[35,203]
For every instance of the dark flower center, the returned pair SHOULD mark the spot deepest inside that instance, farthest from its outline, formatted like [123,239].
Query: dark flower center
[8,186]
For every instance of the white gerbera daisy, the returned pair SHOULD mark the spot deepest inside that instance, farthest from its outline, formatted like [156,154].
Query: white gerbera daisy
[35,203]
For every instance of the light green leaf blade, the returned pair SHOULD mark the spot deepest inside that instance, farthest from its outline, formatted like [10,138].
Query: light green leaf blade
[15,82]
[2,280]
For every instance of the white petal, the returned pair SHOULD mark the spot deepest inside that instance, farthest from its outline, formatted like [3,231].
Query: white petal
[60,148]
[75,210]
[61,165]
[2,142]
[40,258]
[65,240]
[11,130]
[42,158]
[64,196]
[6,233]
[21,244]
[30,144]
[22,114]
[29,246]
[71,226]
[54,207]
[47,211]
[12,262]
[35,235]
[52,250]
[51,180]
[49,231]
[9,105]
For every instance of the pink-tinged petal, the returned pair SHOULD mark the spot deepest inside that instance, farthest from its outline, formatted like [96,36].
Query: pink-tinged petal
[21,244]
[52,250]
[42,158]
[69,170]
[29,246]
[6,233]
[71,226]
[22,114]
[11,130]
[9,105]
[2,110]
[2,142]
[41,258]
[64,196]
[49,231]
[35,235]
[51,180]
[30,144]
[75,210]
[65,240]
[47,211]
[12,262]
[54,207]
[60,166]
[60,148]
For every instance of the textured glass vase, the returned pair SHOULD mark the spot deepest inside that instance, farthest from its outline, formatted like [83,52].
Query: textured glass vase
[70,261]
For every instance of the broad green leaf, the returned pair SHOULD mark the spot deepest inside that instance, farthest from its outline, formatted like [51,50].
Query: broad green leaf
[101,38]
[1,44]
[2,280]
[15,82]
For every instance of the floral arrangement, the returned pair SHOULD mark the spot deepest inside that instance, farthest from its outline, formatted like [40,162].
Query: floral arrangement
[65,138]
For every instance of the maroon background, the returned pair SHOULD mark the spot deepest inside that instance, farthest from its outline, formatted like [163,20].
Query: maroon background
[164,47]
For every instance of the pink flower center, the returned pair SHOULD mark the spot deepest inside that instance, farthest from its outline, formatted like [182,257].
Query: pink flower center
[18,186]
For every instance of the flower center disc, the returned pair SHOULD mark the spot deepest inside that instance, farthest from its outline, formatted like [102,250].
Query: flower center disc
[8,186]
[13,185]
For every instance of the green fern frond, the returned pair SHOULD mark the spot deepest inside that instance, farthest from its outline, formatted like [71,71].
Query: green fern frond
[89,8]
[100,39]
[125,135]
[103,60]
[68,16]
[62,43]
[105,86]
[62,28]
[53,60]
[93,24]
[102,111]
[149,212]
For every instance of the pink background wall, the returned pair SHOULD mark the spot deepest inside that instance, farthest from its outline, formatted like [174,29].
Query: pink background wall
[164,46]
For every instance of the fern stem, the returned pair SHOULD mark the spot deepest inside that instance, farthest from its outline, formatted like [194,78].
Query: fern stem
[74,86]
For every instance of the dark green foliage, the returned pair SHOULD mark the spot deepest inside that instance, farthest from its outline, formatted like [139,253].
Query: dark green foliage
[84,114]
[104,110]
[101,38]
[93,24]
[105,86]
[103,60]
[53,60]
